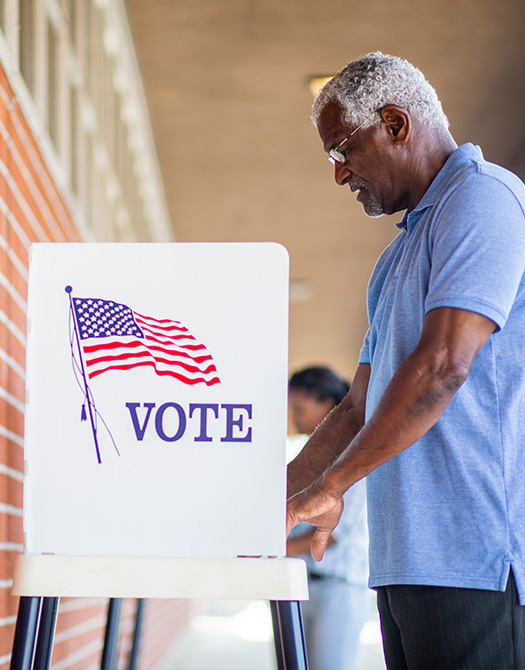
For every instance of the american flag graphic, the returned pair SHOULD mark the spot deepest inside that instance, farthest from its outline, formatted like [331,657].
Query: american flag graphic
[115,337]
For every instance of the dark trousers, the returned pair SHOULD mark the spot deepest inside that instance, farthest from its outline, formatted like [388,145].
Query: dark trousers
[442,628]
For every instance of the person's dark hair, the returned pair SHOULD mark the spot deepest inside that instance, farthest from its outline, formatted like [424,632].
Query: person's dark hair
[320,383]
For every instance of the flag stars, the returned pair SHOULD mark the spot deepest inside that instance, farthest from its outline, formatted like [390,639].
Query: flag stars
[103,318]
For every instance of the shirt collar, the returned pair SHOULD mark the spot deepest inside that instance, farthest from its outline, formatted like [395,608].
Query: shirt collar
[460,157]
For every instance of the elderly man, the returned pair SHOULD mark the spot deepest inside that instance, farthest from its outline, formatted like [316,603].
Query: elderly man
[435,418]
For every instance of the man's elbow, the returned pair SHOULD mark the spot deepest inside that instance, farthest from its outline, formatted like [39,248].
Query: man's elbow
[455,379]
[443,379]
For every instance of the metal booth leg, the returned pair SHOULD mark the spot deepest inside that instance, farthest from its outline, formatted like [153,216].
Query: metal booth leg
[25,633]
[46,633]
[290,650]
[139,616]
[109,653]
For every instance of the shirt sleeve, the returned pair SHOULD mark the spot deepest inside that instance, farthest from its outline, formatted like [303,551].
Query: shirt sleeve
[478,250]
[364,354]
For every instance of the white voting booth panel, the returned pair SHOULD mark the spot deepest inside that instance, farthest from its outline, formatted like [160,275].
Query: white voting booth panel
[156,400]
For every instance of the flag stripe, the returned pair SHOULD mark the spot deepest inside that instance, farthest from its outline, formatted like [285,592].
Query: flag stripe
[142,354]
[162,338]
[171,373]
[95,348]
[153,320]
[155,323]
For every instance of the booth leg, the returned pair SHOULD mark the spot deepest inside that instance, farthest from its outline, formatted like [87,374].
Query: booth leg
[277,636]
[109,653]
[25,633]
[46,633]
[139,616]
[290,650]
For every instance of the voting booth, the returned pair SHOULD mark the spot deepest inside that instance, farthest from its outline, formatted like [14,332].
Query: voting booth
[155,432]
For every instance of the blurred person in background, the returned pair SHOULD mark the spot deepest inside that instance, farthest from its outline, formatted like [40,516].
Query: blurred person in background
[335,614]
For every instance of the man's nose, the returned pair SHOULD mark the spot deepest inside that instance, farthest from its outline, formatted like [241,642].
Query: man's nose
[341,173]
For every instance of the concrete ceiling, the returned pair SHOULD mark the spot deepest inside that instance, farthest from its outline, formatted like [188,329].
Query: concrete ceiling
[226,86]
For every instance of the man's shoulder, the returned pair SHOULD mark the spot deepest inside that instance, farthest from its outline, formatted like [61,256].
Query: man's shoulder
[504,176]
[477,169]
[468,171]
[482,184]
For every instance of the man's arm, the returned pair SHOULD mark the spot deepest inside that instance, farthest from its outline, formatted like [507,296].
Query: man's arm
[332,437]
[419,392]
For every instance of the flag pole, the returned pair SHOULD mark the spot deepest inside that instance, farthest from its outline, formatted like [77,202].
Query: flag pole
[69,289]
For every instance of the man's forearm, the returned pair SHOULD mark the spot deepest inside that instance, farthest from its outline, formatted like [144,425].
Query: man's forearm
[324,447]
[417,395]
[412,403]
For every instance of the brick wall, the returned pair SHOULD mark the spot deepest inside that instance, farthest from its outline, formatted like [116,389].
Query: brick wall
[32,210]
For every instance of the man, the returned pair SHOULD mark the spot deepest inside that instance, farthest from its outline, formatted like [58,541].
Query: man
[435,417]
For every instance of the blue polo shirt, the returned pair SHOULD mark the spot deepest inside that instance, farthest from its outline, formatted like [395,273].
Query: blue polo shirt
[450,509]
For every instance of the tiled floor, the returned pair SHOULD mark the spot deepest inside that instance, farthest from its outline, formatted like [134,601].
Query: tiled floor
[237,635]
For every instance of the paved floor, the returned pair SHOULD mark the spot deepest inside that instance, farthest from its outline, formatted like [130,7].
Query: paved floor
[237,635]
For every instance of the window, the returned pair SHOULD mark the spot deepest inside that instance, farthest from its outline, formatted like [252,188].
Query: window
[2,15]
[53,78]
[80,87]
[27,40]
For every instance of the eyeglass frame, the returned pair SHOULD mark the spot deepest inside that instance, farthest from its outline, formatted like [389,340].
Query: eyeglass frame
[334,155]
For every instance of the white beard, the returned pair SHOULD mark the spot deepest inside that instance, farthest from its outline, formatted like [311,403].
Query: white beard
[372,206]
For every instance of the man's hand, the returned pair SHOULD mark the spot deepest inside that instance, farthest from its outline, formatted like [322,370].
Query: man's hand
[318,508]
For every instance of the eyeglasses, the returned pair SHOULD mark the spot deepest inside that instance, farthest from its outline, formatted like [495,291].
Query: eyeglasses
[336,155]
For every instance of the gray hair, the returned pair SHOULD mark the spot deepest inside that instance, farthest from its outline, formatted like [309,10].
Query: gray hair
[376,80]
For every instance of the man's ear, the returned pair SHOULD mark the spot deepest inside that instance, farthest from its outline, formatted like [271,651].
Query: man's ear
[397,122]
